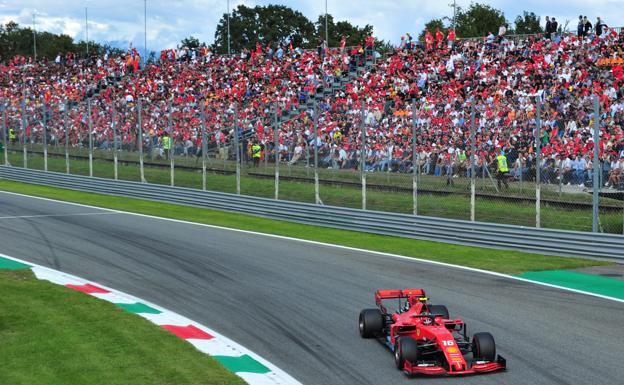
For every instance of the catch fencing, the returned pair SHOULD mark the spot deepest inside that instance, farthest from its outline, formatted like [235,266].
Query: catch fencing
[298,159]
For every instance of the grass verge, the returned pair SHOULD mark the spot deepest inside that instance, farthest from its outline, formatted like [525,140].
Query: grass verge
[504,261]
[53,335]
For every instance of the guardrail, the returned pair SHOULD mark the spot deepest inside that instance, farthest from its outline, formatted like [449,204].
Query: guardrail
[545,241]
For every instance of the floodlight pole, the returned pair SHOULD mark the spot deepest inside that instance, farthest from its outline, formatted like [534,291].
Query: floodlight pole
[34,37]
[596,182]
[228,27]
[145,31]
[87,29]
[326,29]
[538,165]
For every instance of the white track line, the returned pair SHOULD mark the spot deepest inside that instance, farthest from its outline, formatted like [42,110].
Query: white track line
[56,215]
[414,259]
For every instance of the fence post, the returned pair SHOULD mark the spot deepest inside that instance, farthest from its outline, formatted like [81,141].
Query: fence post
[172,142]
[66,129]
[363,158]
[415,165]
[31,138]
[25,150]
[45,137]
[597,185]
[538,165]
[140,142]
[115,144]
[317,193]
[277,151]
[5,137]
[237,148]
[89,127]
[204,148]
[473,154]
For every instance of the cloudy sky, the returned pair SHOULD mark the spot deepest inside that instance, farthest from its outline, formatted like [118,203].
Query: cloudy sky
[168,21]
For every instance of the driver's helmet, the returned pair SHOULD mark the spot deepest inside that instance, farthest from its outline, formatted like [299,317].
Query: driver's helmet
[413,300]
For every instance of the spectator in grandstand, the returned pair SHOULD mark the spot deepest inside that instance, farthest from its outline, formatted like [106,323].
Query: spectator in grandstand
[428,40]
[548,28]
[567,170]
[502,30]
[520,169]
[600,27]
[439,37]
[579,165]
[369,44]
[615,172]
[502,84]
[580,27]
[450,38]
[554,26]
[588,26]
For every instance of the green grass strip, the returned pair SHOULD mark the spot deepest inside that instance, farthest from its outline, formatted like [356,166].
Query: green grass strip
[243,363]
[138,308]
[56,336]
[504,261]
[580,281]
[9,264]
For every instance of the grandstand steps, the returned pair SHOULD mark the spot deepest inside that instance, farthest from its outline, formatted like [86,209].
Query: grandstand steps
[339,84]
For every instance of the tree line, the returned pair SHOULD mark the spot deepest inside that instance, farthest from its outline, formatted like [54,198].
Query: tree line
[274,24]
[20,41]
[480,19]
[279,24]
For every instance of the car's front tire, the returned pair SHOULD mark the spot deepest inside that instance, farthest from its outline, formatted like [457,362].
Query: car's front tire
[483,346]
[405,349]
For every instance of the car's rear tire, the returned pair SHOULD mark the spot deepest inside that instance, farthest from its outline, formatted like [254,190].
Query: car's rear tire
[405,349]
[370,323]
[439,309]
[483,346]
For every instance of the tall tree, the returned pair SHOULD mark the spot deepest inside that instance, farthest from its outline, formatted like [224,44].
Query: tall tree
[275,24]
[431,26]
[190,42]
[354,34]
[528,23]
[478,20]
[15,40]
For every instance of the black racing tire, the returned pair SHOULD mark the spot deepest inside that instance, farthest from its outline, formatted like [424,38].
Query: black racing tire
[439,309]
[405,349]
[371,323]
[483,346]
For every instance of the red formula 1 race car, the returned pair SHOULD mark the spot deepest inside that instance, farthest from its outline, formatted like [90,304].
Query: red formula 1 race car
[425,339]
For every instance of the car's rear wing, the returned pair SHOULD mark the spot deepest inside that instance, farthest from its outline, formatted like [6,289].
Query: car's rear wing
[405,293]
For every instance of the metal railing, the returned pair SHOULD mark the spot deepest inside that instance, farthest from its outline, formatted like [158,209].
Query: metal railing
[545,241]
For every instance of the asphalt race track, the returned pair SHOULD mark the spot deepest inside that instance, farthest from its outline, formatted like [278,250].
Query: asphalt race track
[297,304]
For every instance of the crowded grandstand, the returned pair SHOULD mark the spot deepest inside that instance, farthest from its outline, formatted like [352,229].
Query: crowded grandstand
[434,85]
